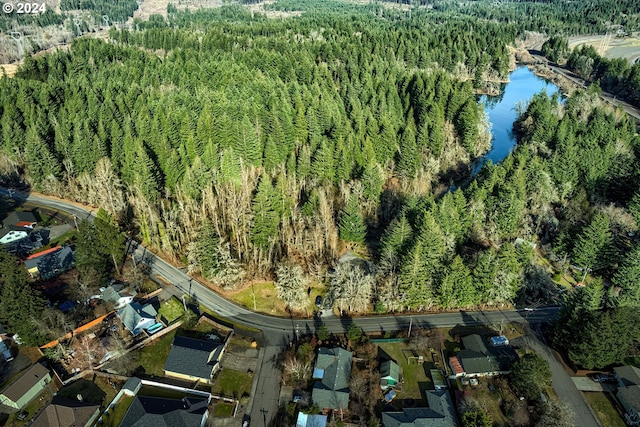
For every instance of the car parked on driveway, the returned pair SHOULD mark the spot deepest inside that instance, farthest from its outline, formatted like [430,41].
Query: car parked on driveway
[601,378]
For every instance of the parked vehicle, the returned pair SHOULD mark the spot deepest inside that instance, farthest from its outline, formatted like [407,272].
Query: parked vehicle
[601,378]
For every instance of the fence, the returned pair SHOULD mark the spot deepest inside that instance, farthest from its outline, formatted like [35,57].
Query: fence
[77,330]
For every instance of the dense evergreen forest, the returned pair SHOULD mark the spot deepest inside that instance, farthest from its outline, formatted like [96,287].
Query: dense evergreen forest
[251,148]
[548,16]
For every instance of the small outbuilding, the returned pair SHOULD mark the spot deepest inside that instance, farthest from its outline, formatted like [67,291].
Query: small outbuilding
[389,374]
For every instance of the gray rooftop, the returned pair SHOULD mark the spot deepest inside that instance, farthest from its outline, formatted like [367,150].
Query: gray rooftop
[30,378]
[190,356]
[160,412]
[332,390]
[17,217]
[477,357]
[390,369]
[628,375]
[631,396]
[51,262]
[440,413]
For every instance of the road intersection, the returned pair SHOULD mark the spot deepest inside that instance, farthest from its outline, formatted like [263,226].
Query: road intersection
[278,331]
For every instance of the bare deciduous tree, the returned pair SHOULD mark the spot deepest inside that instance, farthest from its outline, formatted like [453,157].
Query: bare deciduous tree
[351,287]
[291,284]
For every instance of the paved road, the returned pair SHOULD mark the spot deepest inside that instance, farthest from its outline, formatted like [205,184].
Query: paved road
[278,332]
[628,108]
[563,385]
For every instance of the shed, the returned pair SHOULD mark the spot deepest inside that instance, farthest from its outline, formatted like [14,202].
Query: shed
[389,374]
[438,379]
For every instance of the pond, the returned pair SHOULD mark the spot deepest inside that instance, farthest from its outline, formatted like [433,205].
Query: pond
[502,112]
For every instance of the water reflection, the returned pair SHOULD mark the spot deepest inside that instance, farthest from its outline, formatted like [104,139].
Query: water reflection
[502,111]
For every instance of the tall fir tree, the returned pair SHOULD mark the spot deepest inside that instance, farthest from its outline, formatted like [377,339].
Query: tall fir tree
[352,228]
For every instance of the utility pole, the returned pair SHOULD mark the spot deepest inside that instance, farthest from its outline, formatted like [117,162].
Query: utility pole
[410,325]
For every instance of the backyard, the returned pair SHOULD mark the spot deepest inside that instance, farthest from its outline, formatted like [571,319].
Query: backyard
[153,356]
[232,383]
[115,415]
[416,380]
[171,310]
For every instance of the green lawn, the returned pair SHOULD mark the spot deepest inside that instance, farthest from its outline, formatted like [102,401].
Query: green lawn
[116,414]
[416,380]
[153,356]
[223,410]
[171,310]
[604,409]
[266,298]
[232,383]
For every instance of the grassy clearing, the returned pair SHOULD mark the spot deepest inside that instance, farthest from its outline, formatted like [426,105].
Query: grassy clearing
[604,409]
[223,410]
[153,356]
[416,380]
[116,414]
[171,310]
[232,383]
[266,299]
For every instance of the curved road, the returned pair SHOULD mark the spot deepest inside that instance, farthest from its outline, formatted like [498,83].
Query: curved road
[278,331]
[628,108]
[275,328]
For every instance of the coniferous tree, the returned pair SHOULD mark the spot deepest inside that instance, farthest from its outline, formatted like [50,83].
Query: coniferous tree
[21,306]
[594,248]
[352,228]
[265,216]
[628,278]
[111,240]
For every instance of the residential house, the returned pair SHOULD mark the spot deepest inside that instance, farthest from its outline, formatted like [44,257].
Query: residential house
[332,372]
[440,413]
[389,374]
[116,295]
[26,388]
[477,359]
[307,420]
[13,234]
[193,359]
[24,246]
[628,394]
[50,263]
[188,409]
[627,376]
[629,398]
[20,219]
[63,412]
[136,317]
